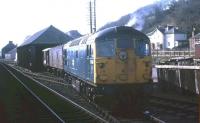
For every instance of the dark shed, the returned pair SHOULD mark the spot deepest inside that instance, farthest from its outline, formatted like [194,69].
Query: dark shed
[30,52]
[8,48]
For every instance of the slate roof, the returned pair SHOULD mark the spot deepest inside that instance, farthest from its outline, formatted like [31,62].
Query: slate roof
[49,35]
[162,30]
[174,31]
[74,34]
[153,30]
[12,51]
[9,46]
[171,30]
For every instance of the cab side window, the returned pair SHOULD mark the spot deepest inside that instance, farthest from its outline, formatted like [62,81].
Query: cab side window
[89,51]
[142,48]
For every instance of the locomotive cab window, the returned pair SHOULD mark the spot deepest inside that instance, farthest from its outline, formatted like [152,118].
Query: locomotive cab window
[142,47]
[89,51]
[125,42]
[105,48]
[65,56]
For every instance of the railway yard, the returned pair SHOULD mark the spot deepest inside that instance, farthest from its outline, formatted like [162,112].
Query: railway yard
[92,80]
[42,97]
[141,67]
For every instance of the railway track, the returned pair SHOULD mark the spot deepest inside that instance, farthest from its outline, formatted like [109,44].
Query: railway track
[159,109]
[59,87]
[167,110]
[19,104]
[65,89]
[41,76]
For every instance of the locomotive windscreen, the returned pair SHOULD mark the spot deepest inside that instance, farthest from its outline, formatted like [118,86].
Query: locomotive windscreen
[125,42]
[106,48]
[139,45]
[107,43]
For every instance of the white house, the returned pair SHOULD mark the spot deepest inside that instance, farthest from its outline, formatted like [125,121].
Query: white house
[166,37]
[156,37]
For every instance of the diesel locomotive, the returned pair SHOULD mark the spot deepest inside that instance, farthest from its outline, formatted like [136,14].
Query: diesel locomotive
[114,61]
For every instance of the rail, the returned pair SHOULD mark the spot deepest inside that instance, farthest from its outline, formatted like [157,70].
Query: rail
[163,109]
[108,118]
[34,95]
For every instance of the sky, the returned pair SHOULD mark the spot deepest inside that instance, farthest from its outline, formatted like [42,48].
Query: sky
[22,18]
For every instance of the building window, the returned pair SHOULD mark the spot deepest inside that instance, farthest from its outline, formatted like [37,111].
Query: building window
[168,43]
[161,46]
[76,53]
[153,46]
[158,45]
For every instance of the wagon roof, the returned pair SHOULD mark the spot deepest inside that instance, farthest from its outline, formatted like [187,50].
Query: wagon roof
[46,49]
[49,35]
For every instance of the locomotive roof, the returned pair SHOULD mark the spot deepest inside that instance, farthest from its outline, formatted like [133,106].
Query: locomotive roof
[76,41]
[109,32]
[58,47]
[114,31]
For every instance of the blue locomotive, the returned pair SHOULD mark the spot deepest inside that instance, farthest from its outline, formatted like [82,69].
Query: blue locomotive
[112,61]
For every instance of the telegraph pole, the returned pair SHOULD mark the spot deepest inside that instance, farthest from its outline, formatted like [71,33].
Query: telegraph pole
[94,17]
[92,11]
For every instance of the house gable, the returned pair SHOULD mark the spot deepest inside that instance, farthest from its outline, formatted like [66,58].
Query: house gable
[7,48]
[167,37]
[156,38]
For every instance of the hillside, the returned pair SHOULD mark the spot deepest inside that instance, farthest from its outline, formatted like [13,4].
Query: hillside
[135,19]
[184,14]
